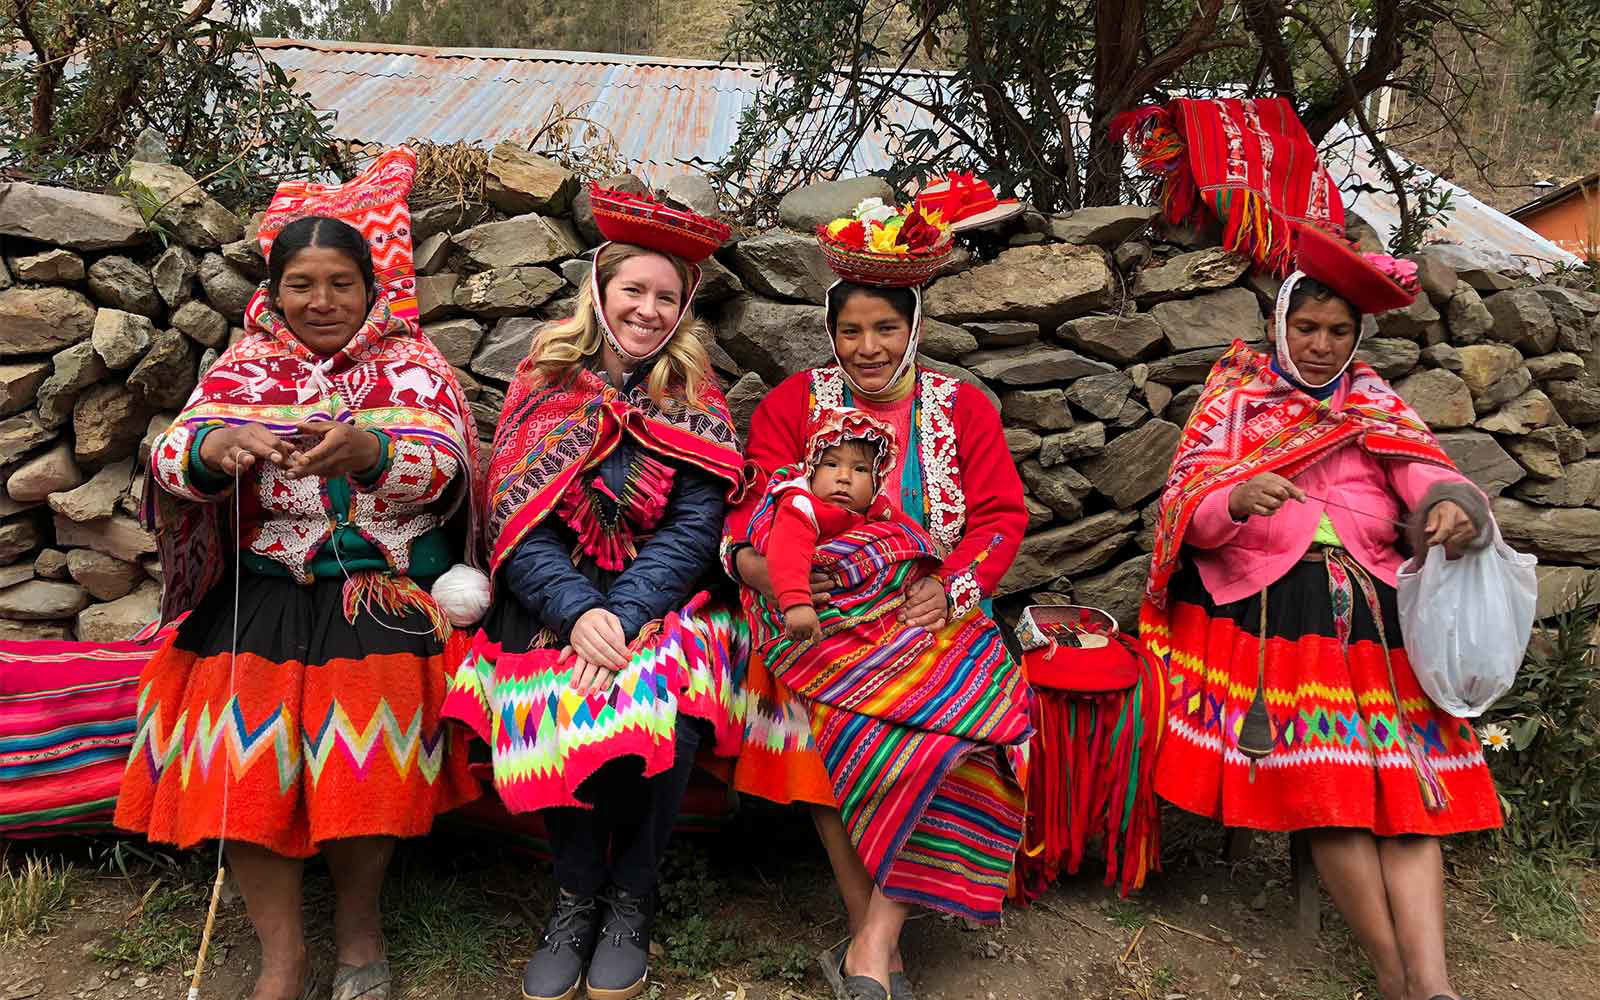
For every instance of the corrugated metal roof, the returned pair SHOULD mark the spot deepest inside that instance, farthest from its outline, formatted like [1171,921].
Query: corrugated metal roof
[663,113]
[1470,222]
[668,113]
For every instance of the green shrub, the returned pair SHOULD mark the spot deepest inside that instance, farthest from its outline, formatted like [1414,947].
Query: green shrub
[1549,778]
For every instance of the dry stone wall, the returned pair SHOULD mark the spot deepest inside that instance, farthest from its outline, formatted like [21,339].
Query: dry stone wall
[1091,332]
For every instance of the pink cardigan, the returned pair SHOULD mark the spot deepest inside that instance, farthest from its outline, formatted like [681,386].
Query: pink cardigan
[1239,558]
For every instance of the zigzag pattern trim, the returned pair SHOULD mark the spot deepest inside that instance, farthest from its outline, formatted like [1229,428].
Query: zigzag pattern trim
[405,745]
[1376,698]
[1278,759]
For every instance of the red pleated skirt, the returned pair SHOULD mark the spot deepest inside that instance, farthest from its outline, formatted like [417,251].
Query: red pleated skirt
[1339,757]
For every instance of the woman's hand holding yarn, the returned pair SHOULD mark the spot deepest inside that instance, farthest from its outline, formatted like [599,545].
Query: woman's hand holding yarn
[342,449]
[233,450]
[1262,496]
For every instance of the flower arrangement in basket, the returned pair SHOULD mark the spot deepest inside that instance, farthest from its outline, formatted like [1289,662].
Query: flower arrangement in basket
[879,244]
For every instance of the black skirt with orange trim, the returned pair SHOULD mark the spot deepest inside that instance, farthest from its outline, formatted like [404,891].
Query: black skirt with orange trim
[321,730]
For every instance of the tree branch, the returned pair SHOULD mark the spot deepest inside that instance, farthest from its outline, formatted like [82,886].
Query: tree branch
[1354,101]
[1264,18]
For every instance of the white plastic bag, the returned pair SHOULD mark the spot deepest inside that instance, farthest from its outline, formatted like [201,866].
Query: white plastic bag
[1466,623]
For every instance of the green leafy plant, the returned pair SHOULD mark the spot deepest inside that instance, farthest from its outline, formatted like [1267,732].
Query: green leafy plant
[1549,779]
[83,78]
[694,942]
[788,962]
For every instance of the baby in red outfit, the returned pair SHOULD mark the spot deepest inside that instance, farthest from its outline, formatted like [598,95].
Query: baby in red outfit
[840,489]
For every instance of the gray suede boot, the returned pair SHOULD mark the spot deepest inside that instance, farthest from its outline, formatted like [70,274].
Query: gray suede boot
[621,961]
[556,969]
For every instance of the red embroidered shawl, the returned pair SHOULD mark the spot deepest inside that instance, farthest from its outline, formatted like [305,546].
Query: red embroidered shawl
[550,434]
[1248,161]
[388,377]
[1250,420]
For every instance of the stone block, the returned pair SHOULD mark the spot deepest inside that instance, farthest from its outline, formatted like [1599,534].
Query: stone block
[1134,465]
[1213,320]
[1043,284]
[41,320]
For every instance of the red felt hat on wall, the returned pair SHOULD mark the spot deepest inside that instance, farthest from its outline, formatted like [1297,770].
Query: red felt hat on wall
[631,218]
[1373,283]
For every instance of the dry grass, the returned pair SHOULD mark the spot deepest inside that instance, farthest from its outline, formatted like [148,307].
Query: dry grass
[452,173]
[33,895]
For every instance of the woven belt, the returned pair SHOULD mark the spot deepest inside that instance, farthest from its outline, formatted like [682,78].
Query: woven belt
[1315,554]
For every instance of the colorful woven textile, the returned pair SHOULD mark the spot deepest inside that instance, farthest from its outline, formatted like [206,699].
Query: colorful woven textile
[546,738]
[1250,420]
[321,730]
[1248,162]
[922,733]
[550,435]
[374,202]
[389,377]
[1339,755]
[1091,778]
[66,724]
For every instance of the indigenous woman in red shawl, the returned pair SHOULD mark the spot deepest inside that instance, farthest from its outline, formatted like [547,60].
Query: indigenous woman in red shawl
[954,477]
[602,668]
[1292,706]
[296,710]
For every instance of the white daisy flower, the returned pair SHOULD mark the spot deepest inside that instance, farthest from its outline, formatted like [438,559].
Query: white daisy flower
[1496,738]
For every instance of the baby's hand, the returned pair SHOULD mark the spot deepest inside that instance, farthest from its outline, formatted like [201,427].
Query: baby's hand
[801,623]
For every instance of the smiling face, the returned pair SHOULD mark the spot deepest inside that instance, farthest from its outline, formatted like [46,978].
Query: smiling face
[323,297]
[643,301]
[871,337]
[844,476]
[1321,336]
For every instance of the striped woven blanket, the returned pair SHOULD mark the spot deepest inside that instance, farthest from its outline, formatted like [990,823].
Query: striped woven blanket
[921,732]
[66,723]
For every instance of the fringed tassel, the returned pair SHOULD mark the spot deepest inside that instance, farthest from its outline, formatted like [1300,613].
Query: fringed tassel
[1091,778]
[1160,151]
[1435,797]
[394,596]
[1255,229]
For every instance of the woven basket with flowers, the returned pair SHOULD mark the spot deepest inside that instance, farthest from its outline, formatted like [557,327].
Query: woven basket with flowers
[878,244]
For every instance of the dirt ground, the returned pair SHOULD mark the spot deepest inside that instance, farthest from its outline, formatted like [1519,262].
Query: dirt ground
[746,910]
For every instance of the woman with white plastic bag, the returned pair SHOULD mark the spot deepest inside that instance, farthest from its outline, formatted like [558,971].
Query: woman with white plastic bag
[1467,622]
[1293,706]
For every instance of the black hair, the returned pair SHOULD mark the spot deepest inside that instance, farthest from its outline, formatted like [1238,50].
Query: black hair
[1312,290]
[901,300]
[320,231]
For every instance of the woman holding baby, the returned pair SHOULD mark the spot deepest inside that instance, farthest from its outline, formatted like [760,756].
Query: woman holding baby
[885,511]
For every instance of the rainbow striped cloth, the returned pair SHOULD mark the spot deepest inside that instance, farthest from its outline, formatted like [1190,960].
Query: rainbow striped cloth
[66,724]
[923,733]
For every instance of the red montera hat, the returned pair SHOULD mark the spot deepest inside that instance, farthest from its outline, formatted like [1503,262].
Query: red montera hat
[643,221]
[1373,283]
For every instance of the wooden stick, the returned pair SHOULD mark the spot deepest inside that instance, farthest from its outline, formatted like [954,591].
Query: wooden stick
[1194,934]
[1134,943]
[1052,909]
[205,935]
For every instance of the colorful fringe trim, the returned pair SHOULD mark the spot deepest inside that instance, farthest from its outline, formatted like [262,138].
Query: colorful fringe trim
[394,596]
[1091,777]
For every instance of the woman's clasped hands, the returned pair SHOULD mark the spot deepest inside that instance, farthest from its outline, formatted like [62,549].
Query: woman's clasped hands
[598,650]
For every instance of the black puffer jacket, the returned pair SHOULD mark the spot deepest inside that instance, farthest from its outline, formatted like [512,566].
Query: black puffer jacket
[661,578]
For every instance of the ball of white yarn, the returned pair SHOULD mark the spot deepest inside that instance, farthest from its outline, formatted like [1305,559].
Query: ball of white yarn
[462,593]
